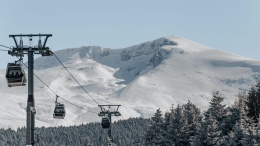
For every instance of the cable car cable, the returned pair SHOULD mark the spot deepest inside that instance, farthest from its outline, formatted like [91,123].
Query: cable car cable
[57,94]
[82,88]
[54,91]
[80,85]
[67,71]
[74,78]
[5,46]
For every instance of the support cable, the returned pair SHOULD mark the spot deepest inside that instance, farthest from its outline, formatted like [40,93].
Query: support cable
[81,86]
[77,83]
[72,77]
[75,79]
[57,94]
[49,87]
[4,47]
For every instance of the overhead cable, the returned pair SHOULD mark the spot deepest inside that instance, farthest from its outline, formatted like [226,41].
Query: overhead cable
[57,94]
[74,78]
[4,47]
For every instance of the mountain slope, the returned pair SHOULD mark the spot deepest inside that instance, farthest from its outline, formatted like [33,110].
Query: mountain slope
[142,78]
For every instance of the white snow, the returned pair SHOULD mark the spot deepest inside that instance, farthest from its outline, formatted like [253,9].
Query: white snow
[142,78]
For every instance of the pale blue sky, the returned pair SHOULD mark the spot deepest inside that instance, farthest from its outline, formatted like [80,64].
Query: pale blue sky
[229,25]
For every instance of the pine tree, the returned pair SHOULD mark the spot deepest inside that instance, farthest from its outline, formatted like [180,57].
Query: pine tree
[253,103]
[257,132]
[235,137]
[193,119]
[242,133]
[217,110]
[175,134]
[209,134]
[213,131]
[240,101]
[232,116]
[154,135]
[248,138]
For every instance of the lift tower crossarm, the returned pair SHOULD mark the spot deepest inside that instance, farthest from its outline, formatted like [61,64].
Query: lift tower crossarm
[20,50]
[30,35]
[46,40]
[107,112]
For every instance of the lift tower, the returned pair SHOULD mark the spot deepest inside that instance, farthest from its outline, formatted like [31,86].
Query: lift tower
[109,114]
[19,50]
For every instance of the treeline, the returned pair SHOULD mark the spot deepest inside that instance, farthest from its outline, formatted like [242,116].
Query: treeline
[186,125]
[124,132]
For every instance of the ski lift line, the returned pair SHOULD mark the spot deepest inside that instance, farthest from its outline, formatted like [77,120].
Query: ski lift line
[57,94]
[5,46]
[78,106]
[41,80]
[75,78]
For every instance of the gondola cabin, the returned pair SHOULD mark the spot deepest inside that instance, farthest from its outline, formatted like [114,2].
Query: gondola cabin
[15,75]
[59,111]
[105,123]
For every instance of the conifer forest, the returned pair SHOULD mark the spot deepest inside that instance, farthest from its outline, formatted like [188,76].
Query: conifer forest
[184,125]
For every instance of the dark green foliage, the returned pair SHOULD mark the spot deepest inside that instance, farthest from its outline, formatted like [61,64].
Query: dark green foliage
[184,125]
[232,116]
[216,108]
[179,126]
[154,134]
[90,134]
[253,103]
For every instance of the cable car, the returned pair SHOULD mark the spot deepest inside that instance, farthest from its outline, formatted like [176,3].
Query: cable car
[105,123]
[15,75]
[59,110]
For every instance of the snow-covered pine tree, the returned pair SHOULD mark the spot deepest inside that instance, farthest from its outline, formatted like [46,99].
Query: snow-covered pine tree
[216,109]
[249,138]
[242,133]
[209,134]
[176,134]
[235,137]
[253,103]
[240,101]
[232,116]
[193,119]
[213,131]
[154,134]
[257,132]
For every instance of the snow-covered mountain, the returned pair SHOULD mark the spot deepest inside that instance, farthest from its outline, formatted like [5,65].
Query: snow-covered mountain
[142,78]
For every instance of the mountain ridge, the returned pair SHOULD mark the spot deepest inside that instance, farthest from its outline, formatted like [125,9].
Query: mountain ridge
[142,78]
